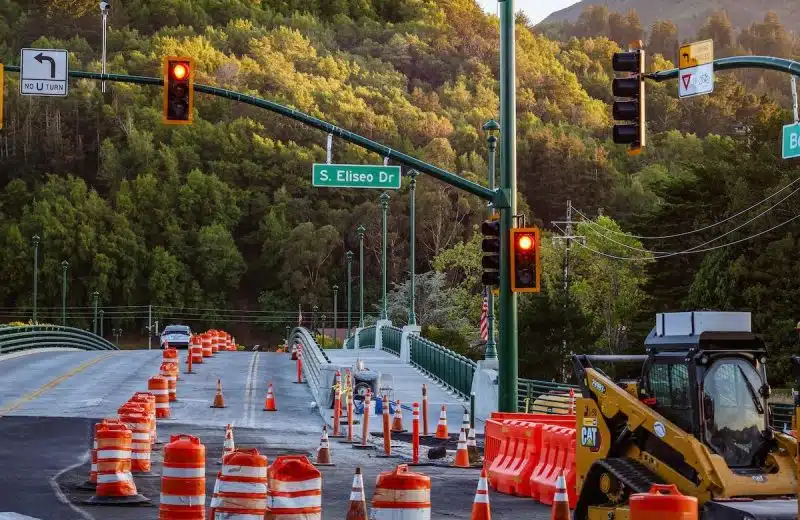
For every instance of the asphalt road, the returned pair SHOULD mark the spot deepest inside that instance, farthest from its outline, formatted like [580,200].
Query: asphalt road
[49,402]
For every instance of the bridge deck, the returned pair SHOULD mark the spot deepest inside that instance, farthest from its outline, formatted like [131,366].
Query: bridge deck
[407,383]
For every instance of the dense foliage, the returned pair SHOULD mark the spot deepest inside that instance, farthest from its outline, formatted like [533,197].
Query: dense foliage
[222,213]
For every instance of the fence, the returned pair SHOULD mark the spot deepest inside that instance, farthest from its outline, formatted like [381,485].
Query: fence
[366,337]
[445,366]
[543,396]
[14,339]
[391,338]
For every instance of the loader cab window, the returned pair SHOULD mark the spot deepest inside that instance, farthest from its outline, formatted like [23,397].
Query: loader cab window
[669,385]
[733,410]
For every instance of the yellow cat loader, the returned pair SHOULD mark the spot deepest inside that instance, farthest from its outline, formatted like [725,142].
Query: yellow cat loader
[697,417]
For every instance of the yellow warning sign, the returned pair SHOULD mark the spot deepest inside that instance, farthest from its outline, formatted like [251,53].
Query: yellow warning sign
[697,53]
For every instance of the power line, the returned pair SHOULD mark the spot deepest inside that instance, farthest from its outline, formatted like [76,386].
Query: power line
[662,237]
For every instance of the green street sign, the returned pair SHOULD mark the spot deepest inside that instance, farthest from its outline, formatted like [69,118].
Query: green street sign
[356,176]
[791,141]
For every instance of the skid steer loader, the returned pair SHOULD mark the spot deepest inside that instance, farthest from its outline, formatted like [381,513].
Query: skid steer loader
[697,417]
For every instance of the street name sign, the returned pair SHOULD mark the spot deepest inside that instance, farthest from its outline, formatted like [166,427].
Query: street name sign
[356,176]
[44,72]
[696,75]
[791,141]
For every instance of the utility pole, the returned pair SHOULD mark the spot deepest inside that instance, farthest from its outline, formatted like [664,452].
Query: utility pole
[64,267]
[335,312]
[149,327]
[95,296]
[35,277]
[102,318]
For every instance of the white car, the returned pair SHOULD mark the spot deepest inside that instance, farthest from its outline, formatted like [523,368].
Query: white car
[176,336]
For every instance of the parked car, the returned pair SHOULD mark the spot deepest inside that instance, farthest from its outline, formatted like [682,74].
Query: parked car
[176,335]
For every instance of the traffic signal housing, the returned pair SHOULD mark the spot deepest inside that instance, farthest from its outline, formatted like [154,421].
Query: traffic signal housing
[490,245]
[525,265]
[629,100]
[178,90]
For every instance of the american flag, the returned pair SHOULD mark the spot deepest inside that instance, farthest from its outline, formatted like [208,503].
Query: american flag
[485,317]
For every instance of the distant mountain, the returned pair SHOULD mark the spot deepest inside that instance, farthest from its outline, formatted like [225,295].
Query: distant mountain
[689,15]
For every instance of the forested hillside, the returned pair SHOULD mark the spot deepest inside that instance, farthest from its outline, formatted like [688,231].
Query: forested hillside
[222,213]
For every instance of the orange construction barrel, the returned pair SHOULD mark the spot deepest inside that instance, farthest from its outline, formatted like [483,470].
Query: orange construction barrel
[295,489]
[159,387]
[663,502]
[402,495]
[207,342]
[147,400]
[183,479]
[115,484]
[170,372]
[137,420]
[169,355]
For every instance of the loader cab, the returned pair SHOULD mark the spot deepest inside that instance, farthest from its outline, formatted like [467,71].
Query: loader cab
[712,384]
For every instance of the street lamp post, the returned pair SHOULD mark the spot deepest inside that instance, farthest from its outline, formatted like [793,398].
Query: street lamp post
[335,310]
[117,333]
[323,330]
[507,352]
[64,267]
[288,328]
[361,230]
[102,314]
[349,292]
[384,241]
[95,296]
[492,128]
[314,324]
[105,7]
[35,277]
[412,315]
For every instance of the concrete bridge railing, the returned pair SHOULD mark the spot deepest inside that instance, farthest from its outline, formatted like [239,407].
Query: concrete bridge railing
[317,368]
[16,339]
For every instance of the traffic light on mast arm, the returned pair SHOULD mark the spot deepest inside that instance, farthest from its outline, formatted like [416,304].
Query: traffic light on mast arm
[632,107]
[525,265]
[178,90]
[490,245]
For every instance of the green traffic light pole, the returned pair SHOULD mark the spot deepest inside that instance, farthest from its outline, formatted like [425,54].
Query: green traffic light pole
[507,351]
[361,231]
[64,267]
[95,296]
[384,240]
[35,277]
[412,315]
[349,293]
[491,127]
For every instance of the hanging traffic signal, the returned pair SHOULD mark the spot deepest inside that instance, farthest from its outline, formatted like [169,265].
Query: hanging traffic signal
[525,270]
[178,90]
[490,245]
[631,107]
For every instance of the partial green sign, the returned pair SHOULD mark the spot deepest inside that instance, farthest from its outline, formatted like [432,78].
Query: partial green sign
[356,176]
[791,141]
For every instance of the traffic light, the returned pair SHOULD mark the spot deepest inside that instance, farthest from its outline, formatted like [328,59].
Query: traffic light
[525,271]
[178,90]
[490,245]
[632,107]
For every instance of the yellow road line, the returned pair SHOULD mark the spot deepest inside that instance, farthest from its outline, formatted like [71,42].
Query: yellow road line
[30,396]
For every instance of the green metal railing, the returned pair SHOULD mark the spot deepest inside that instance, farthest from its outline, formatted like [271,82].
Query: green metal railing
[445,366]
[391,338]
[349,343]
[366,337]
[14,339]
[544,396]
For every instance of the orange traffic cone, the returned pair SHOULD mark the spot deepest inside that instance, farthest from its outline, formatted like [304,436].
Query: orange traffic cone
[462,457]
[441,428]
[228,446]
[560,509]
[397,423]
[269,402]
[480,507]
[324,452]
[358,503]
[219,401]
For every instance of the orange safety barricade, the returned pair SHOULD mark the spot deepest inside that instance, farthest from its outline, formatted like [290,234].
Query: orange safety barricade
[169,371]
[159,387]
[402,495]
[560,459]
[196,349]
[241,490]
[147,400]
[183,479]
[207,341]
[169,355]
[137,419]
[510,471]
[295,489]
[494,429]
[114,480]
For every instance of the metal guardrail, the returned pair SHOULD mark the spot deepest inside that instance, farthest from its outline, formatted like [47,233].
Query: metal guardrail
[14,339]
[445,366]
[366,337]
[391,339]
[313,359]
[544,396]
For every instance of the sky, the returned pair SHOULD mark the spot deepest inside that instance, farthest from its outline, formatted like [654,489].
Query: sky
[537,10]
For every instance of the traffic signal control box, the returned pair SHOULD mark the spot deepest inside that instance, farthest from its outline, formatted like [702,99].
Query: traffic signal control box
[178,90]
[525,265]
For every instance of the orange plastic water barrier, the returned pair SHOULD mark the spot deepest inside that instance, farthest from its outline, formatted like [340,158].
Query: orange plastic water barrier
[663,502]
[557,457]
[295,489]
[494,429]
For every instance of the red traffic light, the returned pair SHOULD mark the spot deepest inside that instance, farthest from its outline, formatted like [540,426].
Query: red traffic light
[525,242]
[525,266]
[180,71]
